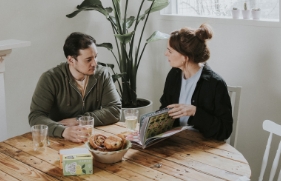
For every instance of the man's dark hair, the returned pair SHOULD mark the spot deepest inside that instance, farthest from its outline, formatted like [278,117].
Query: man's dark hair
[77,41]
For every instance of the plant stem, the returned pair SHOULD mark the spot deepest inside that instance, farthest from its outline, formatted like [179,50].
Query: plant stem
[112,24]
[136,57]
[115,58]
[119,85]
[117,46]
[141,55]
[133,38]
[117,17]
[125,16]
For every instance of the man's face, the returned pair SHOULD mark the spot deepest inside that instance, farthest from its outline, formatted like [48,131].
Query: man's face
[86,62]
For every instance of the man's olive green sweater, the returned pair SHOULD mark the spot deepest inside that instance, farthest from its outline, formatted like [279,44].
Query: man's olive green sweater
[57,97]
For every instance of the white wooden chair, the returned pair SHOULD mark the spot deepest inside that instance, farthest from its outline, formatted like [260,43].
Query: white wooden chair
[272,128]
[234,93]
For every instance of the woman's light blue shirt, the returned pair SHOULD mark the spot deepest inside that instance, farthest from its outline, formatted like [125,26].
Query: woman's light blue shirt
[187,89]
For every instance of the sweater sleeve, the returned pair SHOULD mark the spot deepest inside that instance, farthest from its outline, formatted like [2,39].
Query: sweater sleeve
[171,89]
[41,104]
[164,98]
[110,111]
[218,123]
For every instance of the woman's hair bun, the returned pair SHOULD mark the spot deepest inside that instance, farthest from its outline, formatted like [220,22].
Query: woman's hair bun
[204,32]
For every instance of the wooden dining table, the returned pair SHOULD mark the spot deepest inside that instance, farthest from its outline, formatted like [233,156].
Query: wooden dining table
[183,156]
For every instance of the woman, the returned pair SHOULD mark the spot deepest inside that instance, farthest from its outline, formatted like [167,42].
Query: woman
[196,95]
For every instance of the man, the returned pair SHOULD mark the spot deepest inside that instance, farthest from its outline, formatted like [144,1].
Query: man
[74,88]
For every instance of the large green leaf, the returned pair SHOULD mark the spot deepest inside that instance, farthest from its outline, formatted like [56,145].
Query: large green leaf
[88,3]
[158,5]
[116,4]
[125,38]
[115,77]
[97,8]
[107,65]
[141,17]
[106,45]
[109,9]
[157,35]
[130,21]
[74,13]
[113,19]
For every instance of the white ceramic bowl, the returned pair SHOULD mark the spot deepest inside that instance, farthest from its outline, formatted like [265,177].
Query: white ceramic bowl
[109,157]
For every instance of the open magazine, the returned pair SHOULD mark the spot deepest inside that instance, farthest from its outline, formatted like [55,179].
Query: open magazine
[154,127]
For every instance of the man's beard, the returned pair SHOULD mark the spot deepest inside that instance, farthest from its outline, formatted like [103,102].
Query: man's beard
[86,73]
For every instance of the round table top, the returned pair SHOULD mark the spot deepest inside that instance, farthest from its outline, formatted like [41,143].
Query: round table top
[184,156]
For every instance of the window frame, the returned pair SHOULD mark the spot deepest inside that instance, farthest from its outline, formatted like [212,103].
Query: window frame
[223,20]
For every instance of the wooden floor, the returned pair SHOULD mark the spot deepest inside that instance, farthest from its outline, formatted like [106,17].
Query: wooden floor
[185,156]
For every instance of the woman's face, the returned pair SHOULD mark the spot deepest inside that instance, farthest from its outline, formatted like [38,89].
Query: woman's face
[176,59]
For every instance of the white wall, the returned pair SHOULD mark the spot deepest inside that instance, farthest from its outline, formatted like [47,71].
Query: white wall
[248,56]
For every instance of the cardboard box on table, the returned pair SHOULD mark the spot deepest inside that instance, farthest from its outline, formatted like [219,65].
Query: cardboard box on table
[76,161]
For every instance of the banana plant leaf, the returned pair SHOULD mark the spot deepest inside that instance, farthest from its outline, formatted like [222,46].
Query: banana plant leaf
[141,17]
[158,5]
[115,77]
[157,35]
[125,38]
[116,4]
[87,5]
[106,45]
[130,21]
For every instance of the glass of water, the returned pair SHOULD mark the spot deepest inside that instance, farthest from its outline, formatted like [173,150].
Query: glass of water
[39,137]
[131,118]
[87,123]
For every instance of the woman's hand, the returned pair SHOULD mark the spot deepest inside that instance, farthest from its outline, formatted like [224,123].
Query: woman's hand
[179,110]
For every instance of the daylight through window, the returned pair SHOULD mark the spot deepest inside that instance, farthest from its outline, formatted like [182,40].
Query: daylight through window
[222,8]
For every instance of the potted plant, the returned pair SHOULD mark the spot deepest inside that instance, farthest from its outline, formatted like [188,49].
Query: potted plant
[246,12]
[235,13]
[128,42]
[256,13]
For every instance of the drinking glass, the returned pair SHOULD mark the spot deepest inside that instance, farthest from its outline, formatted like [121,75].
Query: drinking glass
[131,118]
[88,123]
[39,137]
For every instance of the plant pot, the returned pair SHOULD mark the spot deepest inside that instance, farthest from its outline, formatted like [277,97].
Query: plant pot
[256,14]
[246,14]
[142,110]
[236,14]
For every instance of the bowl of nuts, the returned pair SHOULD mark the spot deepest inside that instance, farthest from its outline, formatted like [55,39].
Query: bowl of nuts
[108,149]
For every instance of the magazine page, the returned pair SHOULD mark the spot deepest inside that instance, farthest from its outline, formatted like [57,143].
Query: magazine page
[145,120]
[154,127]
[142,129]
[135,137]
[157,124]
[166,134]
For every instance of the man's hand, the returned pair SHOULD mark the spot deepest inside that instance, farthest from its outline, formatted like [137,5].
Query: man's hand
[179,110]
[69,122]
[76,134]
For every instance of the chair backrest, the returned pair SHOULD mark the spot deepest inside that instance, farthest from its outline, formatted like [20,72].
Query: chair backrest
[272,128]
[234,93]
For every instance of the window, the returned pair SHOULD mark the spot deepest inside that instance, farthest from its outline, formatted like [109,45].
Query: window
[222,8]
